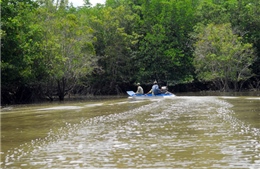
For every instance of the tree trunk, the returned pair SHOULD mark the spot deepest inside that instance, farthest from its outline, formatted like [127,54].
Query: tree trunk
[61,89]
[226,85]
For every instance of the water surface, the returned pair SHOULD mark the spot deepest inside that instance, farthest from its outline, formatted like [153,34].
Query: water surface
[183,132]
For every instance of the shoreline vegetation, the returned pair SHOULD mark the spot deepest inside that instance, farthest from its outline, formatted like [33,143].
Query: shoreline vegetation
[181,90]
[51,50]
[79,98]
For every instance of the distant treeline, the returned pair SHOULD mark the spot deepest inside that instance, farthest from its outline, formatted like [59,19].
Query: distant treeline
[52,49]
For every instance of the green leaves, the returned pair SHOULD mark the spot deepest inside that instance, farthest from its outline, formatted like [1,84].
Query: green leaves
[161,50]
[19,41]
[46,43]
[221,56]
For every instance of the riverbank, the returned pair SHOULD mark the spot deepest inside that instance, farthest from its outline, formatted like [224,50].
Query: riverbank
[28,96]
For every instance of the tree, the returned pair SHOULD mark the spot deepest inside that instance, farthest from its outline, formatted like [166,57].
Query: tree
[68,49]
[212,11]
[221,57]
[21,59]
[113,28]
[245,18]
[164,51]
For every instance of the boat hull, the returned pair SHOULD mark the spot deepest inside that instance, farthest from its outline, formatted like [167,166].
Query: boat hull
[132,95]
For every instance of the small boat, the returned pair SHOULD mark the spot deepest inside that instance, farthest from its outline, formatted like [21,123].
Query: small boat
[132,95]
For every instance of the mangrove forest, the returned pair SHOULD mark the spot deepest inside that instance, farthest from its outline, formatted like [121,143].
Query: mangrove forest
[51,49]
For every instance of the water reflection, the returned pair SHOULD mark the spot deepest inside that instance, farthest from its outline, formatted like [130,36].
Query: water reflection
[184,132]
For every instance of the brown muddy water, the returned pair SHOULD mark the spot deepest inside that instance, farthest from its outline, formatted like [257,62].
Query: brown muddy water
[182,132]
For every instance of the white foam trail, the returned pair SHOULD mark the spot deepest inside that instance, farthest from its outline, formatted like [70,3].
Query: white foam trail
[62,108]
[99,138]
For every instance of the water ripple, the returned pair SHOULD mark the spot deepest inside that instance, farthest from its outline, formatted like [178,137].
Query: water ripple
[185,132]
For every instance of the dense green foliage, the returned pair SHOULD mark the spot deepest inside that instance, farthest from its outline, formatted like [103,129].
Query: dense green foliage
[221,57]
[50,49]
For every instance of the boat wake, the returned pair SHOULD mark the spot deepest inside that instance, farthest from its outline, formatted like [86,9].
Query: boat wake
[181,132]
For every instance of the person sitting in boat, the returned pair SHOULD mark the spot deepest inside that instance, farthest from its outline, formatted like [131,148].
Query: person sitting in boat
[155,89]
[140,90]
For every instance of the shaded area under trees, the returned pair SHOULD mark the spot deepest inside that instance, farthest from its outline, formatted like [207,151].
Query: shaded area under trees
[50,49]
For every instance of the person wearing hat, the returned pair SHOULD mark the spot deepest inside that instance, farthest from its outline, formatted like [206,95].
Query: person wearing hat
[140,90]
[155,89]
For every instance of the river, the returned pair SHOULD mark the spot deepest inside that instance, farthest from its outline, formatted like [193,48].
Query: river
[182,132]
